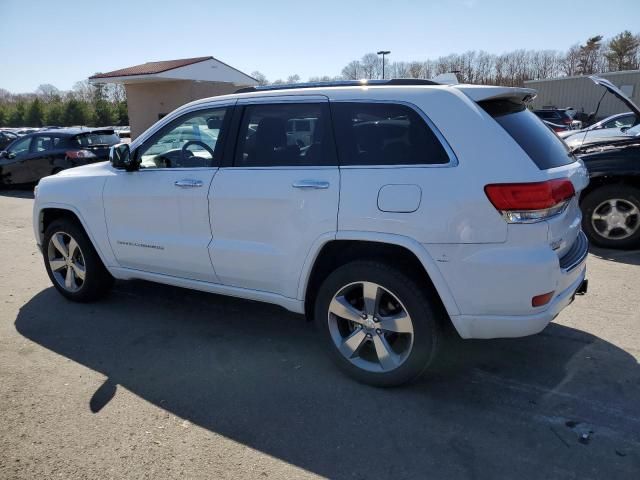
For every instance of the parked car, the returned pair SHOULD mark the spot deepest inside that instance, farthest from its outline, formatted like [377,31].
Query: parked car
[559,116]
[413,206]
[609,128]
[123,131]
[611,202]
[29,158]
[6,137]
[556,127]
[25,131]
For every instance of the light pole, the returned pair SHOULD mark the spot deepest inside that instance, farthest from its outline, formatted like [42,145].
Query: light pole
[383,53]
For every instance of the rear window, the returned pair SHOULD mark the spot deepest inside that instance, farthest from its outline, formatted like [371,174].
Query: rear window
[96,139]
[534,137]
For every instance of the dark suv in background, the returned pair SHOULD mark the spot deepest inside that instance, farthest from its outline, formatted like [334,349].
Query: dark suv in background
[558,116]
[6,137]
[27,159]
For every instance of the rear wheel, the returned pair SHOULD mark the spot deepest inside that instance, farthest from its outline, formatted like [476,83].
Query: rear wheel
[73,265]
[380,326]
[611,216]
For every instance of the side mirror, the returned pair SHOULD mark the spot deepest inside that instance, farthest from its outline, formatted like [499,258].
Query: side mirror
[3,154]
[120,157]
[624,129]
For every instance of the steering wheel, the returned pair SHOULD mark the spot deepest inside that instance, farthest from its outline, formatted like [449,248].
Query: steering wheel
[185,149]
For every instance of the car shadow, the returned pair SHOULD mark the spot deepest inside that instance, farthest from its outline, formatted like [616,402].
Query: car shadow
[260,376]
[630,257]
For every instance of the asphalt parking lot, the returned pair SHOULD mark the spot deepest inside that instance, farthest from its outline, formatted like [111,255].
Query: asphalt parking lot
[159,382]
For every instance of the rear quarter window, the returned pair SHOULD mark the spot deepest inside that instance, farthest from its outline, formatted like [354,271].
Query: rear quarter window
[384,134]
[543,146]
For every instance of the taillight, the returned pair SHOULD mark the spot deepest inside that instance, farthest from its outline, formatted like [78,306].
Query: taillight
[77,154]
[530,202]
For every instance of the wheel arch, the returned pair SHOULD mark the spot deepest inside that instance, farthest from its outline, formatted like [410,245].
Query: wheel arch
[349,246]
[51,212]
[598,181]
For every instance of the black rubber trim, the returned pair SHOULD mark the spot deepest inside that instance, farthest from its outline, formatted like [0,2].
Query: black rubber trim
[576,254]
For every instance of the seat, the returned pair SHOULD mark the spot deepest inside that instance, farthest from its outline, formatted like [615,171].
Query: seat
[271,144]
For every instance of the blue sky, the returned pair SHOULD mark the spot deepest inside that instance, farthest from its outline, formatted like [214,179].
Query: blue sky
[61,42]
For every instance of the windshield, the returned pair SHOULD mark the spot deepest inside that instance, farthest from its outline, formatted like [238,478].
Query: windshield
[634,131]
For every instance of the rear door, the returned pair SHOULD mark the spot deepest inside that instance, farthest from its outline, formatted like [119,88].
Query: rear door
[279,196]
[41,157]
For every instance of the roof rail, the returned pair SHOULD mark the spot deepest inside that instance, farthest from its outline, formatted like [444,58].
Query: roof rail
[339,83]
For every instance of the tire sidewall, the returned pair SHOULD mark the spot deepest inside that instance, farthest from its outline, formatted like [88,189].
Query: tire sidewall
[425,328]
[93,265]
[595,198]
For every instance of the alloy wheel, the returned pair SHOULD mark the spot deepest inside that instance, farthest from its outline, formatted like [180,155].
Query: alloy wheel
[370,327]
[66,261]
[615,219]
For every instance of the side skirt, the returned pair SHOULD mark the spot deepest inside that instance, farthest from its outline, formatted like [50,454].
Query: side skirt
[291,304]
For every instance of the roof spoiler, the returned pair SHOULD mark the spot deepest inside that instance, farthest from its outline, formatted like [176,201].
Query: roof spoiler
[481,93]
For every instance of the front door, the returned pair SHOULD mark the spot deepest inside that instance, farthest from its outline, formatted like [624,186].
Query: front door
[278,197]
[14,168]
[158,216]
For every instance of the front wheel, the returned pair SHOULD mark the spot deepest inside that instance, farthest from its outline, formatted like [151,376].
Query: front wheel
[73,265]
[381,327]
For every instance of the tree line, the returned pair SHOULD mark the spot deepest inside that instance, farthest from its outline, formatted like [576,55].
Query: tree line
[85,104]
[103,105]
[595,55]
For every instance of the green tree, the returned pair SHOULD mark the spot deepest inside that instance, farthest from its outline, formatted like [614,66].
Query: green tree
[622,52]
[4,117]
[55,114]
[589,55]
[77,112]
[16,117]
[104,113]
[123,113]
[34,116]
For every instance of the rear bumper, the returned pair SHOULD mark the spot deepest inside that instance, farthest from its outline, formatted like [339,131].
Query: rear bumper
[503,326]
[494,286]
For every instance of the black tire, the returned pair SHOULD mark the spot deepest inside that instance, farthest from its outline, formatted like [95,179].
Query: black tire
[97,282]
[596,198]
[424,311]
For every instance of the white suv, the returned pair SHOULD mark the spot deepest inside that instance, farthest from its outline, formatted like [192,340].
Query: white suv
[407,206]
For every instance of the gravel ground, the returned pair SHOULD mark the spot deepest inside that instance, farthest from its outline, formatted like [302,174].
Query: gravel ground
[159,382]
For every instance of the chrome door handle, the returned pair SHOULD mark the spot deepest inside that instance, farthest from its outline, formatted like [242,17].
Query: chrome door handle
[188,183]
[317,184]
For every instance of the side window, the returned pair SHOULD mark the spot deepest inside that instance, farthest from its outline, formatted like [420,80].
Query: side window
[20,147]
[384,134]
[286,134]
[41,144]
[190,141]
